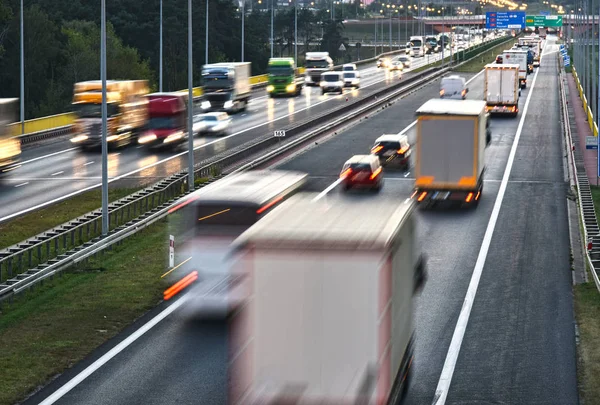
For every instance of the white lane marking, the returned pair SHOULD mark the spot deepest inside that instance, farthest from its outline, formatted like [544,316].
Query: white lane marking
[47,156]
[75,381]
[443,387]
[22,184]
[404,131]
[89,163]
[57,173]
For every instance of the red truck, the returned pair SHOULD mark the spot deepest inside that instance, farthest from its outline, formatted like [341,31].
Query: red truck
[167,120]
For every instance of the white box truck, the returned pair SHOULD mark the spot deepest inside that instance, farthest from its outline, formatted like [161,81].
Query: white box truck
[417,46]
[226,86]
[329,313]
[315,64]
[517,57]
[450,162]
[501,89]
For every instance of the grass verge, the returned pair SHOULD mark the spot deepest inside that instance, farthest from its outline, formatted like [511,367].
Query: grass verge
[34,223]
[47,331]
[476,64]
[587,307]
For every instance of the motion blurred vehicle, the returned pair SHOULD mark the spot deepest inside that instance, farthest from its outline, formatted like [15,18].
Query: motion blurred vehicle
[499,59]
[167,123]
[207,221]
[349,67]
[332,82]
[362,171]
[226,87]
[393,150]
[329,314]
[431,44]
[10,146]
[215,123]
[281,74]
[127,112]
[501,89]
[406,61]
[316,64]
[352,79]
[396,65]
[454,87]
[518,57]
[383,62]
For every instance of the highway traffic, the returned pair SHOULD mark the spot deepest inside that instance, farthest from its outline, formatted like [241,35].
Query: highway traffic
[52,171]
[494,323]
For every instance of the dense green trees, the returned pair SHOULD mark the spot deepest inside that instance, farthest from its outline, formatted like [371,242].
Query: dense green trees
[62,43]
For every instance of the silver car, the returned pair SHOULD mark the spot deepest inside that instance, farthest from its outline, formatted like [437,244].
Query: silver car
[215,123]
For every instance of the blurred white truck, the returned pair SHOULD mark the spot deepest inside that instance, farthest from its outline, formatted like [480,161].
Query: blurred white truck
[501,89]
[450,152]
[329,313]
[517,57]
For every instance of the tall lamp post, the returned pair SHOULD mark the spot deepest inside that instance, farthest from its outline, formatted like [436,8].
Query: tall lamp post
[243,8]
[160,56]
[105,224]
[22,73]
[190,102]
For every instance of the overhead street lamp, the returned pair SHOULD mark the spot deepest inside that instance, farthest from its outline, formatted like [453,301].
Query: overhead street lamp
[190,103]
[160,56]
[105,224]
[22,73]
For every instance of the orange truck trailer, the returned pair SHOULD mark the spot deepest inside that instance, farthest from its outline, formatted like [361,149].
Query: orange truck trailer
[450,161]
[10,146]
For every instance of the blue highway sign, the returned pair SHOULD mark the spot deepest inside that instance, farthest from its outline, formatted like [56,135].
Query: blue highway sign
[505,20]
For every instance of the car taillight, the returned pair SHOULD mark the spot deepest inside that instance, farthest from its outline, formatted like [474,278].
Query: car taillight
[403,150]
[377,149]
[376,173]
[442,92]
[463,93]
[345,173]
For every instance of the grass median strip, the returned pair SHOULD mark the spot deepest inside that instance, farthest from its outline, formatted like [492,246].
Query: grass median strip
[587,307]
[477,63]
[50,329]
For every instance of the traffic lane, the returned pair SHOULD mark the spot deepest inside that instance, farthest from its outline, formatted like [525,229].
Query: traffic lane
[178,361]
[519,345]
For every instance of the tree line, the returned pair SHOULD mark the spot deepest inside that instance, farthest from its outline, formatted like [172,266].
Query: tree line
[62,43]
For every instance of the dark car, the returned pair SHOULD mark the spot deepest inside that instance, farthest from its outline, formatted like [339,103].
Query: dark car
[499,59]
[392,150]
[362,171]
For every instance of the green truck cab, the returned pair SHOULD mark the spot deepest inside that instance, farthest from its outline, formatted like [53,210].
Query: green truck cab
[282,78]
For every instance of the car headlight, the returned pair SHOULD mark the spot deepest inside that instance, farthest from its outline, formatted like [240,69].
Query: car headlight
[228,104]
[270,88]
[147,138]
[205,105]
[322,84]
[290,87]
[79,138]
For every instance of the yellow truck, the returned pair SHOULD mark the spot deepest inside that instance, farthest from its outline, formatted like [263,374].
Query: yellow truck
[127,112]
[10,146]
[450,161]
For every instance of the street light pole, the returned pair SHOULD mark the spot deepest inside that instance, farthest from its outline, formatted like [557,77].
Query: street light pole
[296,31]
[272,12]
[160,56]
[206,35]
[105,224]
[22,73]
[190,104]
[243,18]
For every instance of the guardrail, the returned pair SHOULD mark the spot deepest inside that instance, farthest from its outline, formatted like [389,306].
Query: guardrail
[586,209]
[586,106]
[32,261]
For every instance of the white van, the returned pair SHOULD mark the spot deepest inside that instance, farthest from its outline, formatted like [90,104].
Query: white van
[454,87]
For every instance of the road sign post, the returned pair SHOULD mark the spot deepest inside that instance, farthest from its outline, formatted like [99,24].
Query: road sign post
[171,251]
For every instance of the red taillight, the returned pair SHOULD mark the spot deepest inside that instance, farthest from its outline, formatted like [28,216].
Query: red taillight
[376,173]
[269,205]
[345,173]
[180,285]
[469,197]
[403,150]
[442,92]
[377,149]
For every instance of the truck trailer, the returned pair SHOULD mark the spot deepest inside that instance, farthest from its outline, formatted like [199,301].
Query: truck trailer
[167,123]
[127,112]
[451,139]
[316,64]
[328,315]
[282,78]
[10,145]
[501,89]
[518,57]
[226,87]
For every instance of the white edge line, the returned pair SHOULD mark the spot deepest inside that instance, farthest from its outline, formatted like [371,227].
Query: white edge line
[22,184]
[441,392]
[405,130]
[75,381]
[47,156]
[204,145]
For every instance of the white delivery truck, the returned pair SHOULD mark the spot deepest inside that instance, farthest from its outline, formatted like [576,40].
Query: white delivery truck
[226,86]
[417,45]
[451,139]
[316,63]
[328,318]
[517,57]
[501,89]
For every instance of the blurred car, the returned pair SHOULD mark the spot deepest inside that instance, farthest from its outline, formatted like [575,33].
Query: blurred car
[362,171]
[332,82]
[396,64]
[454,87]
[349,67]
[352,79]
[214,123]
[383,62]
[406,61]
[499,59]
[393,150]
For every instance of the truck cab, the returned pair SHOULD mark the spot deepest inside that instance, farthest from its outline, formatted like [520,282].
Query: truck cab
[431,43]
[281,74]
[417,44]
[10,146]
[167,125]
[316,64]
[226,87]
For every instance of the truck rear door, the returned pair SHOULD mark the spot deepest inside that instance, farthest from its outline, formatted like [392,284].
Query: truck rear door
[507,86]
[494,83]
